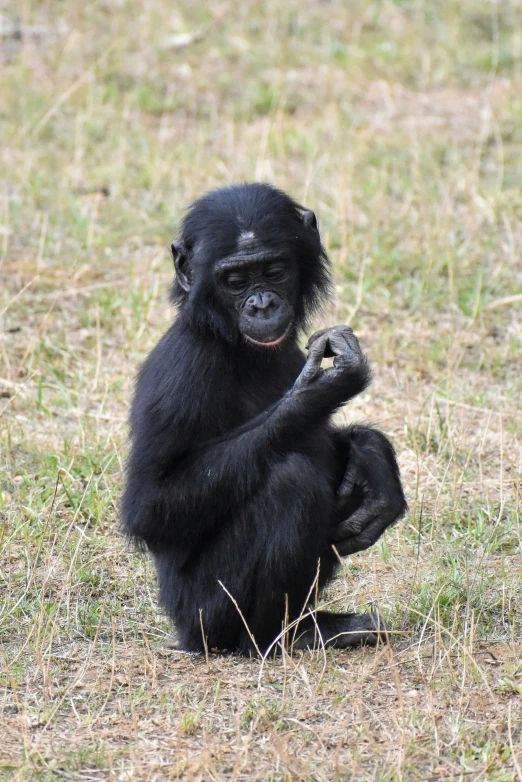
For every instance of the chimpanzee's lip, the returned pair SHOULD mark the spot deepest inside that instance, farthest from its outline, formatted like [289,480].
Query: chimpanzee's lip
[271,344]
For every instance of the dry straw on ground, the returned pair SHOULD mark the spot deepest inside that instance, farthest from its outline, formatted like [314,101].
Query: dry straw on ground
[400,124]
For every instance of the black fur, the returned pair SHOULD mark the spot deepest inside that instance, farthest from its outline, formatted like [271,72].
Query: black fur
[237,481]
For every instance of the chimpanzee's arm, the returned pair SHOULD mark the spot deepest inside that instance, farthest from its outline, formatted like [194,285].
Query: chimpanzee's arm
[175,493]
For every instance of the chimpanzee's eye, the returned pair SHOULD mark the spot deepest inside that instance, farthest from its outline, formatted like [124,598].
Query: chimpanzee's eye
[276,273]
[235,282]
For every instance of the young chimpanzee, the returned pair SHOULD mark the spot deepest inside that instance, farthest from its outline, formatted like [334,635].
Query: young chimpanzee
[237,481]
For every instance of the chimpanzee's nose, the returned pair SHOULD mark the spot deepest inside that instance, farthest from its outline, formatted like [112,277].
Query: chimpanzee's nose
[260,303]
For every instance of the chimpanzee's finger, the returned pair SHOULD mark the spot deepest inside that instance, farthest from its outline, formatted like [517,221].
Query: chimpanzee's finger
[312,367]
[366,538]
[329,331]
[338,344]
[350,480]
[370,514]
[351,340]
[315,336]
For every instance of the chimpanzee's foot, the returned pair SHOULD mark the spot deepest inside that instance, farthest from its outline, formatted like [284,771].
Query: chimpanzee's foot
[339,631]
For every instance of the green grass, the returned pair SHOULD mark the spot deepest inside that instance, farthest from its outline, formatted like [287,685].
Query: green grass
[400,124]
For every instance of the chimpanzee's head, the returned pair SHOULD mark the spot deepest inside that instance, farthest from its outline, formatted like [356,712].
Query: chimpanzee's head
[250,265]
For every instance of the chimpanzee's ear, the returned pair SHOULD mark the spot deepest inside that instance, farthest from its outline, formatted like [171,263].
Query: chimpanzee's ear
[181,264]
[310,220]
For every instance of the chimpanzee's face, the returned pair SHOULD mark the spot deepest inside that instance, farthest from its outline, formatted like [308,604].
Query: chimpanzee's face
[260,288]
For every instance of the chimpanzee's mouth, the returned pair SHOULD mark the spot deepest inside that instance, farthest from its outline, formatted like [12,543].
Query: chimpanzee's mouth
[274,343]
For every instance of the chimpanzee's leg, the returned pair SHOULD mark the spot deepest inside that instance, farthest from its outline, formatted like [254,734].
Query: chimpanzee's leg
[296,562]
[264,568]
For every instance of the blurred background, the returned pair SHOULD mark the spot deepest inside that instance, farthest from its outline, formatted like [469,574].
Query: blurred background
[400,124]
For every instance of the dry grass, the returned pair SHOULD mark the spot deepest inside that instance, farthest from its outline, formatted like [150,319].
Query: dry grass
[401,124]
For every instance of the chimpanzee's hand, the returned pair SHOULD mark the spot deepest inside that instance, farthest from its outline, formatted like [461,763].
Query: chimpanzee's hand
[370,498]
[350,372]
